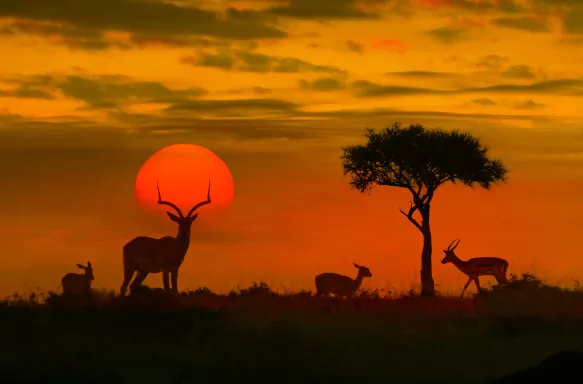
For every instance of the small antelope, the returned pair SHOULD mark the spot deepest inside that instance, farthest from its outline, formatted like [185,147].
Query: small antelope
[148,255]
[477,266]
[339,285]
[77,283]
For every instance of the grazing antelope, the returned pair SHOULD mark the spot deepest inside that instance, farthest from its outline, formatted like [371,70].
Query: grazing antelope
[478,266]
[339,285]
[148,255]
[77,283]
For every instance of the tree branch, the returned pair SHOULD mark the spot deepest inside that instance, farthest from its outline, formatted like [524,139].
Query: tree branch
[409,216]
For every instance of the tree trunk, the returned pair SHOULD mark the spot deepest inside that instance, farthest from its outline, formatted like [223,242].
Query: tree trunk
[427,283]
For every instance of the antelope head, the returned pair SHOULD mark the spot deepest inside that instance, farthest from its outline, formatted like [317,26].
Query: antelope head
[363,271]
[449,252]
[88,270]
[184,222]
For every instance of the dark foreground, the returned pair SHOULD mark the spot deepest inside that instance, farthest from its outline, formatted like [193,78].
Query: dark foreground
[256,336]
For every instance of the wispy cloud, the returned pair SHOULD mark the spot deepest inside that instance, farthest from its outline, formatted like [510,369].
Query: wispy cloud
[484,101]
[323,84]
[99,91]
[449,35]
[526,23]
[353,46]
[85,23]
[572,87]
[309,9]
[518,72]
[491,61]
[247,61]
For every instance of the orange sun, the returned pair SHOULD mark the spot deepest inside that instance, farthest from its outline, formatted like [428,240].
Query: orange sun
[183,172]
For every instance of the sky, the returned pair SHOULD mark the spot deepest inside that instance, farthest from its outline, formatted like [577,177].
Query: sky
[276,88]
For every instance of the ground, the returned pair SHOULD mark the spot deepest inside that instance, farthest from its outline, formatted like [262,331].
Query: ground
[255,335]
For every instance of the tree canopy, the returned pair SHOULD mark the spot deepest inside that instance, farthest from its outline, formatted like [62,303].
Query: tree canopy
[420,160]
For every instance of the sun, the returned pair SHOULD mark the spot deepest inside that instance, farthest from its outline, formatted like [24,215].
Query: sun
[183,172]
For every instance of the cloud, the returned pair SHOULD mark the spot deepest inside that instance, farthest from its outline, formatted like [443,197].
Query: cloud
[448,35]
[188,127]
[232,108]
[573,87]
[507,6]
[484,101]
[322,84]
[261,90]
[310,9]
[103,91]
[528,104]
[491,61]
[573,19]
[525,105]
[70,36]
[26,92]
[364,88]
[87,21]
[353,46]
[384,113]
[518,72]
[422,74]
[164,129]
[526,23]
[246,61]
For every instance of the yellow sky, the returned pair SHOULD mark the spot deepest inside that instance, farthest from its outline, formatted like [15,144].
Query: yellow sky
[89,90]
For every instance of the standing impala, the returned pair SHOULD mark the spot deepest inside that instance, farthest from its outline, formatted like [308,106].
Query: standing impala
[148,255]
[478,266]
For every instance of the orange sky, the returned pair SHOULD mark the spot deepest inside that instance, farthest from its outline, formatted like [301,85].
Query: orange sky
[89,90]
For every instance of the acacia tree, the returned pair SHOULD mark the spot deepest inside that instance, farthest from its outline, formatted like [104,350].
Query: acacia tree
[420,160]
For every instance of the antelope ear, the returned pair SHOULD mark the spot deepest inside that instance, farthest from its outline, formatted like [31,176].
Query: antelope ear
[81,266]
[89,264]
[356,265]
[172,217]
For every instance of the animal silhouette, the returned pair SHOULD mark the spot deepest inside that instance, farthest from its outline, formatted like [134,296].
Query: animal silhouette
[339,285]
[78,283]
[149,255]
[478,266]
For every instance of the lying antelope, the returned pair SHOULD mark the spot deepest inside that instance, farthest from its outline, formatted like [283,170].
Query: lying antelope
[148,255]
[339,285]
[478,266]
[77,283]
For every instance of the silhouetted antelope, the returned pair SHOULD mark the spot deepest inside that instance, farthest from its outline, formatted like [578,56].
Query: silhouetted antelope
[77,283]
[478,266]
[148,255]
[339,285]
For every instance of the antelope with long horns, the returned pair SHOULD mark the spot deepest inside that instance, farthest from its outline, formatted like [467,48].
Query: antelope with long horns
[339,285]
[149,255]
[78,283]
[478,266]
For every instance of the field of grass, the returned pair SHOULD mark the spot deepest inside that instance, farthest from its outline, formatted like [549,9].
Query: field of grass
[255,335]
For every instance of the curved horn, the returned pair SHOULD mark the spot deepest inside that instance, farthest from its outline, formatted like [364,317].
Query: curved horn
[160,201]
[450,244]
[207,201]
[456,244]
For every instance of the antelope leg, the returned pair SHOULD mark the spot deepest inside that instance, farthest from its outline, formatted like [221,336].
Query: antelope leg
[466,287]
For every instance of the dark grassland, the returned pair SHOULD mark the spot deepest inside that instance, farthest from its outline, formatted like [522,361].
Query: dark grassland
[255,335]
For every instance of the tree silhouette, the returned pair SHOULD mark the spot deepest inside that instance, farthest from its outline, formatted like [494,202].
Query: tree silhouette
[420,160]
